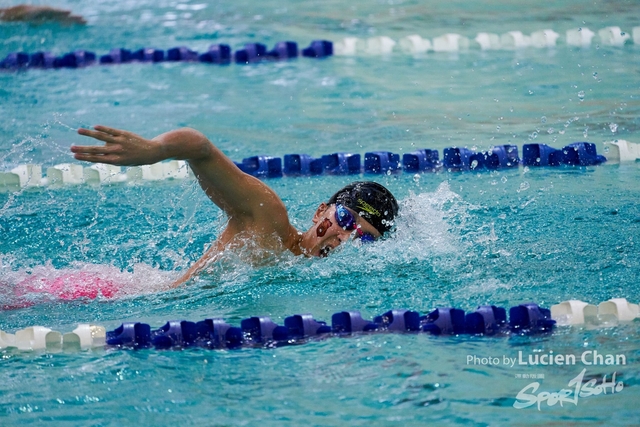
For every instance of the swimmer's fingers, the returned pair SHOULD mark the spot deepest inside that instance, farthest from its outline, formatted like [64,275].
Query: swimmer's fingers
[96,149]
[112,131]
[110,159]
[110,154]
[97,134]
[109,135]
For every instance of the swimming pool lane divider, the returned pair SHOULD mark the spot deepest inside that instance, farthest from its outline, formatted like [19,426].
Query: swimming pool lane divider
[382,45]
[376,162]
[489,320]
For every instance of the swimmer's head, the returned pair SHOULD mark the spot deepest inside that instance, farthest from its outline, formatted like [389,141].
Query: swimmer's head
[372,201]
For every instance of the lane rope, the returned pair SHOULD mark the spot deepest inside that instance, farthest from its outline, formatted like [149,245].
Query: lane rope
[455,159]
[222,54]
[261,331]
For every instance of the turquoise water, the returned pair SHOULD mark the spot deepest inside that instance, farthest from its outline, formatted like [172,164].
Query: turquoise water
[503,237]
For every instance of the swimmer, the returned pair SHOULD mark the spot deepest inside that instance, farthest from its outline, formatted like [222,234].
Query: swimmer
[361,210]
[39,15]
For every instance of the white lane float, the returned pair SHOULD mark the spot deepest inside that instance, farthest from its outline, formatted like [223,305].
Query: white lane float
[575,312]
[488,41]
[85,336]
[613,36]
[382,45]
[544,39]
[103,174]
[414,44]
[514,40]
[346,47]
[621,150]
[65,173]
[450,42]
[38,338]
[28,175]
[174,169]
[580,37]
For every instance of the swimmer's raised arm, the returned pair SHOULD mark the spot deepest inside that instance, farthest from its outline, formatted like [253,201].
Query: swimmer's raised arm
[238,194]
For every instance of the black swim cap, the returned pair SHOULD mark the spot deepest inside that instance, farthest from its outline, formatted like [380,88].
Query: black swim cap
[371,201]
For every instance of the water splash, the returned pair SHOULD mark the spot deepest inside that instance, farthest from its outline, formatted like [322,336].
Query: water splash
[431,236]
[25,287]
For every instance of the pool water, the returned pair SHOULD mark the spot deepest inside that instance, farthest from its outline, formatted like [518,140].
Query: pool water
[463,239]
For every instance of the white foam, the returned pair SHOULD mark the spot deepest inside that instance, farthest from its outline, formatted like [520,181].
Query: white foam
[43,283]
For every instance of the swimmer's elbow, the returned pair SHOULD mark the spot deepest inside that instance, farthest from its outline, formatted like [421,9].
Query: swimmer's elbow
[186,144]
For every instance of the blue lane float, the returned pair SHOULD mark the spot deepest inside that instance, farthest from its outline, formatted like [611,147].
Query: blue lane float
[399,320]
[486,320]
[498,157]
[217,54]
[537,154]
[421,161]
[525,319]
[252,52]
[117,56]
[444,321]
[302,164]
[574,154]
[284,50]
[77,59]
[341,164]
[318,49]
[220,54]
[21,60]
[42,60]
[457,158]
[148,54]
[530,317]
[381,162]
[15,60]
[130,334]
[181,53]
[262,166]
[581,154]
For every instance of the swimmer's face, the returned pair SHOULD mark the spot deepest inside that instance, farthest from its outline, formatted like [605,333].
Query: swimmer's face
[328,234]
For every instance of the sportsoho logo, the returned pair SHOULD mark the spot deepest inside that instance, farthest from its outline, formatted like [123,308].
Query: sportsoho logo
[577,387]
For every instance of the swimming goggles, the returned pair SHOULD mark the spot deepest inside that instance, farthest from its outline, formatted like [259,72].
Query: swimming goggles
[347,221]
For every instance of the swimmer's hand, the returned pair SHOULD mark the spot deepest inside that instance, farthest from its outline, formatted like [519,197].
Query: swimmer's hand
[39,15]
[121,148]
